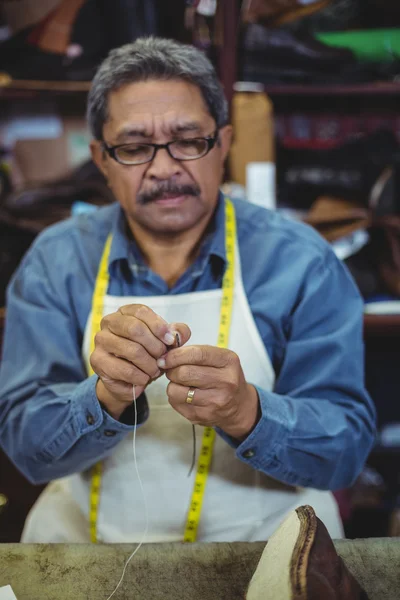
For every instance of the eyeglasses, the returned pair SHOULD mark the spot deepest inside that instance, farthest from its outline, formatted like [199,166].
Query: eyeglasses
[184,149]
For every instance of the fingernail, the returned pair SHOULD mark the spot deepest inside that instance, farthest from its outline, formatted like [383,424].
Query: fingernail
[169,338]
[161,363]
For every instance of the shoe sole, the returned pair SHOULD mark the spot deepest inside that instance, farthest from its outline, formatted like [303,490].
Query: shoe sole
[281,573]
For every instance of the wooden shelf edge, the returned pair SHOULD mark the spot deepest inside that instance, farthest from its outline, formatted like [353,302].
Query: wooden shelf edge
[382,325]
[15,85]
[368,89]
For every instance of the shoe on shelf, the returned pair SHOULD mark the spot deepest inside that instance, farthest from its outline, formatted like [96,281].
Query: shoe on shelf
[21,56]
[36,64]
[300,562]
[11,47]
[276,12]
[285,48]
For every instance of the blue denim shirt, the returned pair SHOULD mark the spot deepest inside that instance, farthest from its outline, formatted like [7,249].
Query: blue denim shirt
[317,425]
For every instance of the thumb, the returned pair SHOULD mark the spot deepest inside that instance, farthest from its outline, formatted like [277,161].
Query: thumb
[183,332]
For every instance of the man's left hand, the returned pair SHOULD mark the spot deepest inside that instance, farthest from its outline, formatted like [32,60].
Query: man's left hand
[222,396]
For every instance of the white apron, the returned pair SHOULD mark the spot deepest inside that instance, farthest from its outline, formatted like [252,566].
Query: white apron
[240,503]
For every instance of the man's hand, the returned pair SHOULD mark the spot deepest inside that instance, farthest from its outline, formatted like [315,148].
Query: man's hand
[222,396]
[126,352]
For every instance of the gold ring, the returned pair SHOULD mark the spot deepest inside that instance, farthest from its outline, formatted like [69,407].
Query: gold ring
[190,396]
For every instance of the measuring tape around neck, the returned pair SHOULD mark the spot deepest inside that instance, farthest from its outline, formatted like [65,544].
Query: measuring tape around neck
[206,452]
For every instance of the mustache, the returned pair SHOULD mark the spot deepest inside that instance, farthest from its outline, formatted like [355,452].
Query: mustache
[170,189]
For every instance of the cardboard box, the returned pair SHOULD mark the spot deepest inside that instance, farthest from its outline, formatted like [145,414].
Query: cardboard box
[39,160]
[253,133]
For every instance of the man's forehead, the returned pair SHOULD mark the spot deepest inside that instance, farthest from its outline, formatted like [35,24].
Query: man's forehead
[157,97]
[147,125]
[137,110]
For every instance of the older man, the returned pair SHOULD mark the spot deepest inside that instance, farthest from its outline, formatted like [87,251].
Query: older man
[269,324]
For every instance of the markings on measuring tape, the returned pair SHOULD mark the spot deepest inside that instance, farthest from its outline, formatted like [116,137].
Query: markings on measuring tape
[94,500]
[199,486]
[100,290]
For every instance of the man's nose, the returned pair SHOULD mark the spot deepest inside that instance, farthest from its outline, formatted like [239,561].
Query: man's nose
[163,166]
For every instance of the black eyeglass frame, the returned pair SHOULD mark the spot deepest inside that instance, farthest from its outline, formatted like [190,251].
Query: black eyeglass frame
[112,150]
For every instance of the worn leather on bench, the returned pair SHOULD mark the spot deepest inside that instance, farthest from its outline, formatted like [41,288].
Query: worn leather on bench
[212,571]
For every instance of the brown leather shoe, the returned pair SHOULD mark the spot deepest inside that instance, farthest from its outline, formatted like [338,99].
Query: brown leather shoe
[300,563]
[278,12]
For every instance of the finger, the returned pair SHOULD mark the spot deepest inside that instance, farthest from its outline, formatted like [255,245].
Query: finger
[208,356]
[128,350]
[178,394]
[135,330]
[183,332]
[144,315]
[196,414]
[107,366]
[200,377]
[157,325]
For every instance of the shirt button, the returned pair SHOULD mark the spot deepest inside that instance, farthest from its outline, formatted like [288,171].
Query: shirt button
[109,432]
[249,453]
[89,419]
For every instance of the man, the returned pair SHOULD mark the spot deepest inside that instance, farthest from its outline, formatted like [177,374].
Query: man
[268,322]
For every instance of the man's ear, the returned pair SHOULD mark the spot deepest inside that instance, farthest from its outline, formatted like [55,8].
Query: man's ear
[99,157]
[225,140]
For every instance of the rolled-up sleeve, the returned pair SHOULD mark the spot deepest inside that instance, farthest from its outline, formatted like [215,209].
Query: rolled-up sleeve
[51,423]
[318,425]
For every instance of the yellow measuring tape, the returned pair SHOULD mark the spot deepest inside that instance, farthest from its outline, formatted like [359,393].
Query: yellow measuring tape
[206,451]
[207,445]
[100,290]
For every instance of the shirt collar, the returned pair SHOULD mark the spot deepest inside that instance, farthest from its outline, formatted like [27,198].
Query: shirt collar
[124,248]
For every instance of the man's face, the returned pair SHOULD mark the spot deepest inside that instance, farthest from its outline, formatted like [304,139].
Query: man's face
[165,196]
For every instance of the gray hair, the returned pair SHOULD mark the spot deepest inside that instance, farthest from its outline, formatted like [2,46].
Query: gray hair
[154,58]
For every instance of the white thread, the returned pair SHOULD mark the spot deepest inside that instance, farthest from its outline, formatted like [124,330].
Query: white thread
[144,500]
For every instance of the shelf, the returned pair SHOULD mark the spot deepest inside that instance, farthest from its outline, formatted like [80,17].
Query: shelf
[382,325]
[362,89]
[18,87]
[379,88]
[10,86]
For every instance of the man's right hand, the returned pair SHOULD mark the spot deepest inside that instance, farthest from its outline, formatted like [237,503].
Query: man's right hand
[126,351]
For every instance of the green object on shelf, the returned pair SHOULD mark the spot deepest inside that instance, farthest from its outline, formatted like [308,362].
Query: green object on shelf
[368,44]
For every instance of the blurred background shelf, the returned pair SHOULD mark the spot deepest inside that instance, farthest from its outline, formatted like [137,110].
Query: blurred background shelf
[382,325]
[14,88]
[22,87]
[362,89]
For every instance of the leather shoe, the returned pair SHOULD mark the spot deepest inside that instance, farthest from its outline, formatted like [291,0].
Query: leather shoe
[277,12]
[285,48]
[300,562]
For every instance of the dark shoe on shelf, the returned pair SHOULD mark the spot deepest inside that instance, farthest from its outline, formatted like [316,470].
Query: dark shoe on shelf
[22,58]
[348,170]
[285,48]
[12,47]
[300,562]
[35,64]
